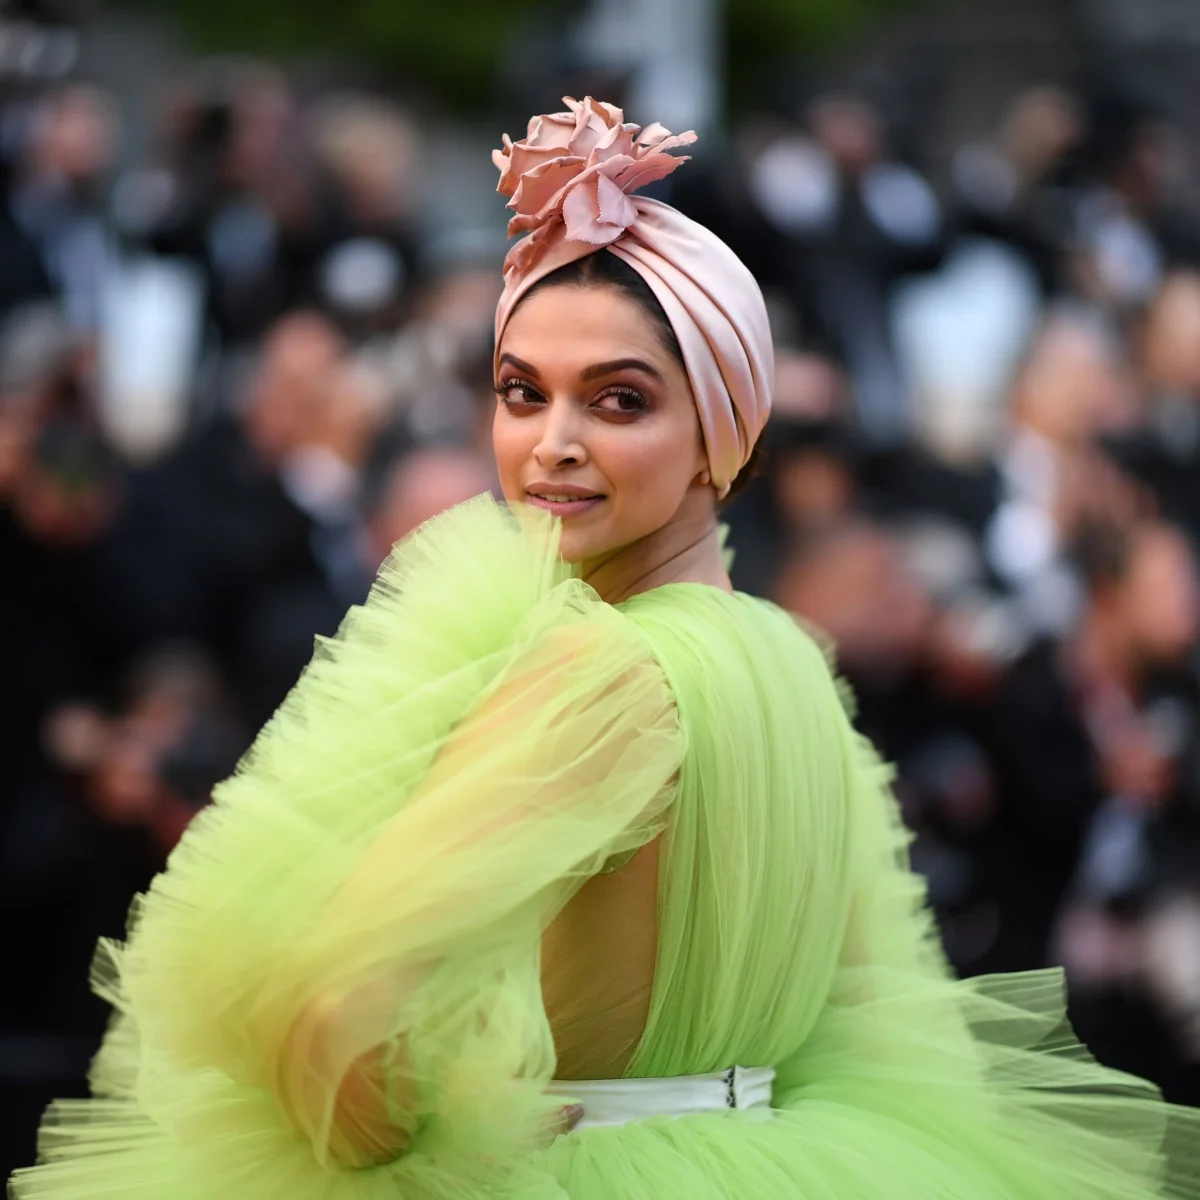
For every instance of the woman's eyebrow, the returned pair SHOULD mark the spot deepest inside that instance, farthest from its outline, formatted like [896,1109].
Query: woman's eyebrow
[514,361]
[620,364]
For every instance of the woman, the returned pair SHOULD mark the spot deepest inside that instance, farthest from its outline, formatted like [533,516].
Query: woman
[561,872]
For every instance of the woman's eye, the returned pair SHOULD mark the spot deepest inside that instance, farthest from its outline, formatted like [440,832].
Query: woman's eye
[624,401]
[518,395]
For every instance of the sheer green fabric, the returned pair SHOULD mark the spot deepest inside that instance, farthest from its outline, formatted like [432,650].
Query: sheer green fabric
[355,974]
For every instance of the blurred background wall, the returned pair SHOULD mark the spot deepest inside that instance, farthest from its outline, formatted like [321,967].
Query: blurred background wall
[249,255]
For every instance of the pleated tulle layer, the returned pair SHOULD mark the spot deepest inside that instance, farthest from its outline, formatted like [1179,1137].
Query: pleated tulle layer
[481,737]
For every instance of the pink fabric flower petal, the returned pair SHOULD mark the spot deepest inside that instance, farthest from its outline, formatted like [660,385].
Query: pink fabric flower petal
[615,115]
[540,184]
[526,161]
[647,170]
[574,167]
[653,134]
[503,160]
[618,141]
[553,132]
[613,206]
[581,214]
[591,133]
[671,143]
[580,116]
[607,114]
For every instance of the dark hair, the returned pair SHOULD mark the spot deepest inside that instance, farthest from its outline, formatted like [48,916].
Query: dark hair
[603,269]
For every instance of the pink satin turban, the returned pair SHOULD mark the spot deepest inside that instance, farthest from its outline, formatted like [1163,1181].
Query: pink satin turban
[569,183]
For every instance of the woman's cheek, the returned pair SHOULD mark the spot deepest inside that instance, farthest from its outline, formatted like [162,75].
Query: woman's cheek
[510,449]
[641,474]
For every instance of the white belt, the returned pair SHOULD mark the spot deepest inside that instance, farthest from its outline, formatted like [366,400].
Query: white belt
[619,1101]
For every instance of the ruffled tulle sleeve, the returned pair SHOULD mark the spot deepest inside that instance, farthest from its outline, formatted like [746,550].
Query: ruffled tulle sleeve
[333,990]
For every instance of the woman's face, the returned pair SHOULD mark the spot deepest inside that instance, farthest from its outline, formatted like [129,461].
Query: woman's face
[595,420]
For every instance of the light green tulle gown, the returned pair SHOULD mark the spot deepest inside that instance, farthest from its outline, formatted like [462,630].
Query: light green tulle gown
[421,897]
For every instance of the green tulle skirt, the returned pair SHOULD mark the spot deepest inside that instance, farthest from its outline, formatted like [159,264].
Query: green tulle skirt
[481,737]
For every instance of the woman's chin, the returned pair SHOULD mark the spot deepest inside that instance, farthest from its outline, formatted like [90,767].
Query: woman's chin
[582,545]
[574,550]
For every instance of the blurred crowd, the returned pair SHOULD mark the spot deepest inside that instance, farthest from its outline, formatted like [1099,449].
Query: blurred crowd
[233,374]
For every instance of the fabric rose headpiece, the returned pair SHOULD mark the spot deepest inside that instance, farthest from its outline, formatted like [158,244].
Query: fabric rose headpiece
[569,183]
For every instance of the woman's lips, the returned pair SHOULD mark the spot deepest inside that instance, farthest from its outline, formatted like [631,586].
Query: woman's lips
[563,506]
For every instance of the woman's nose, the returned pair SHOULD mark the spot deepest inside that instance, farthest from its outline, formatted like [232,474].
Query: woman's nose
[560,444]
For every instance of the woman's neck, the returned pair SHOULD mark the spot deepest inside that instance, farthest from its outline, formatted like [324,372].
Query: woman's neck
[685,550]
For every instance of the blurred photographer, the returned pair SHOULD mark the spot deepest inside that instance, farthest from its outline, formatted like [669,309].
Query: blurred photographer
[1093,736]
[57,195]
[1129,934]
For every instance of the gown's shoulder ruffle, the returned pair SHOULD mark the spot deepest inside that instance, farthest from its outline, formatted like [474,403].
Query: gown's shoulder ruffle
[479,737]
